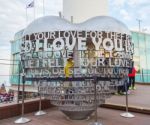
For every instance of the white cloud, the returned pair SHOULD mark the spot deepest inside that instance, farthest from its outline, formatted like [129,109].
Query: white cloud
[118,3]
[137,2]
[125,15]
[13,19]
[144,12]
[146,29]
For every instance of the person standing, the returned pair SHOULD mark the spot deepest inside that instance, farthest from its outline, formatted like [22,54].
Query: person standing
[131,76]
[69,65]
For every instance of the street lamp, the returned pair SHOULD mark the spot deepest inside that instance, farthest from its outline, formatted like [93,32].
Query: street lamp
[139,23]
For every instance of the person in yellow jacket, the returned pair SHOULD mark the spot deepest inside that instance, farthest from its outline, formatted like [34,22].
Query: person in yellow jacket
[69,64]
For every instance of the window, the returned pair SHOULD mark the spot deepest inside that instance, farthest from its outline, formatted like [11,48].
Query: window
[135,39]
[142,41]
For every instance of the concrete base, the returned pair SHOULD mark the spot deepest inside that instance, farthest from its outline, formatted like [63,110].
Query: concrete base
[22,120]
[39,113]
[127,115]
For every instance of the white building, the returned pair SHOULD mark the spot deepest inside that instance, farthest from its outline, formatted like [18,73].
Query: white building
[78,11]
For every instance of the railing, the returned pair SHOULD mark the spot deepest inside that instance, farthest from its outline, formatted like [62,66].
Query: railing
[9,98]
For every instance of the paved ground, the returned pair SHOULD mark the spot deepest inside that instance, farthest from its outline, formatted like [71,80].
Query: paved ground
[138,98]
[105,116]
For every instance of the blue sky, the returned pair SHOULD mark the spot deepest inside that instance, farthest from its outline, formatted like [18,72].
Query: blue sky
[12,19]
[128,11]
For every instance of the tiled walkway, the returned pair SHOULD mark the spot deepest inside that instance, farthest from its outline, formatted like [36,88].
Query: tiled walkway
[105,116]
[139,98]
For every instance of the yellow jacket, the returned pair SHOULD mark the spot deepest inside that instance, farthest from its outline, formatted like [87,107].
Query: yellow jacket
[69,65]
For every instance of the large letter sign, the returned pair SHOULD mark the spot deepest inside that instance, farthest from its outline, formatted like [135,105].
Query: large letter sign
[101,47]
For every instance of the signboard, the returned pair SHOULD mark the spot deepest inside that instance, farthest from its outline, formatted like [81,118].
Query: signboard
[46,53]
